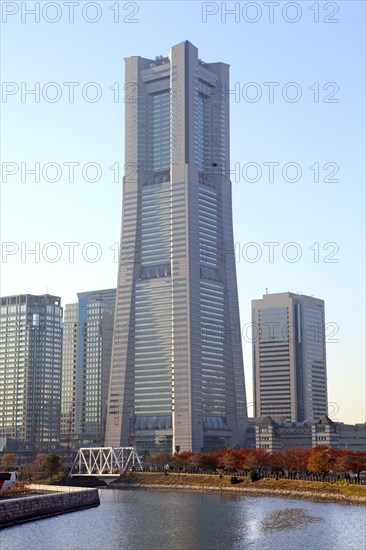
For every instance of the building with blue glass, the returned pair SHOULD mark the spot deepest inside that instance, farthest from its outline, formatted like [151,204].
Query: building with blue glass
[177,378]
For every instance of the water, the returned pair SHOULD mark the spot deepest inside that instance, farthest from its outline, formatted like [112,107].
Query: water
[157,520]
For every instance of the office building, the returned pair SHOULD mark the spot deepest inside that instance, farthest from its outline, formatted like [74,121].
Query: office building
[87,347]
[69,361]
[30,371]
[289,359]
[177,379]
[276,436]
[337,435]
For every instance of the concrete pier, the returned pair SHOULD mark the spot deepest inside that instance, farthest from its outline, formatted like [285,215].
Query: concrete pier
[57,500]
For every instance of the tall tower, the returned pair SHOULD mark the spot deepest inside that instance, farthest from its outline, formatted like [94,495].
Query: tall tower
[289,359]
[86,359]
[30,371]
[177,378]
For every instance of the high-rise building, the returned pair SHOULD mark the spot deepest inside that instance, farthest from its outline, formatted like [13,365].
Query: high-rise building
[177,378]
[30,371]
[289,359]
[69,436]
[87,348]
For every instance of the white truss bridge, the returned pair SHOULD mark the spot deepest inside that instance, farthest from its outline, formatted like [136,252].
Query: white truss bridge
[105,461]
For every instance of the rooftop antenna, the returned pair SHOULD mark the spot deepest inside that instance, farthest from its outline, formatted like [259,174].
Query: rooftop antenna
[266,290]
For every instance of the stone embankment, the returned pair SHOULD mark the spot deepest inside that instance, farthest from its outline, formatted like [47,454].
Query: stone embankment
[341,493]
[280,493]
[55,500]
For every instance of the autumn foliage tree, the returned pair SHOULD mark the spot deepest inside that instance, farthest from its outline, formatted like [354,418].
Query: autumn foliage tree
[36,468]
[208,461]
[357,462]
[342,461]
[230,459]
[8,460]
[257,459]
[182,459]
[276,461]
[295,460]
[319,461]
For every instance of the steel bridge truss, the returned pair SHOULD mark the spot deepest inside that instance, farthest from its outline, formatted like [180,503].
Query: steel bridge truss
[105,461]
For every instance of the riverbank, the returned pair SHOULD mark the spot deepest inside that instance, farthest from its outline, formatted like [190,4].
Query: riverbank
[50,501]
[338,492]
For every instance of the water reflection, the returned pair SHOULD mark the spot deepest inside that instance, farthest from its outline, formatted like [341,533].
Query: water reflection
[157,520]
[288,519]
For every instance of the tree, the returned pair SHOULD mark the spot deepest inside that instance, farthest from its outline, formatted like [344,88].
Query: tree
[341,463]
[276,462]
[157,459]
[319,460]
[195,460]
[181,459]
[35,469]
[52,464]
[231,459]
[209,460]
[228,460]
[241,455]
[8,461]
[357,462]
[295,460]
[38,465]
[257,459]
[39,461]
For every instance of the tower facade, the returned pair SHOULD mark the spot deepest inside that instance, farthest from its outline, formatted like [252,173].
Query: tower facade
[177,378]
[30,371]
[86,359]
[289,358]
[68,432]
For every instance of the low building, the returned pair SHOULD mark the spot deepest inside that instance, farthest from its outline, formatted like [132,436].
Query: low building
[338,435]
[275,436]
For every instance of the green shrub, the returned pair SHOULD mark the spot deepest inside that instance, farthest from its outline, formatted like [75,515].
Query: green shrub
[253,476]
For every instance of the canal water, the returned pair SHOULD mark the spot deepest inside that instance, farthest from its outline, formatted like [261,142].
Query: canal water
[158,520]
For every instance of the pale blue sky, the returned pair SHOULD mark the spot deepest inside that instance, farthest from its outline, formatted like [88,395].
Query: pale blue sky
[304,132]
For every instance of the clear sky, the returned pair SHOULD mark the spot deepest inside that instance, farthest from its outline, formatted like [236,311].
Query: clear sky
[297,70]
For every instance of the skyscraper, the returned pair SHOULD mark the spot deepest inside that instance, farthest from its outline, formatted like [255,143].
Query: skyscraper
[87,348]
[30,371]
[68,430]
[289,359]
[177,378]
